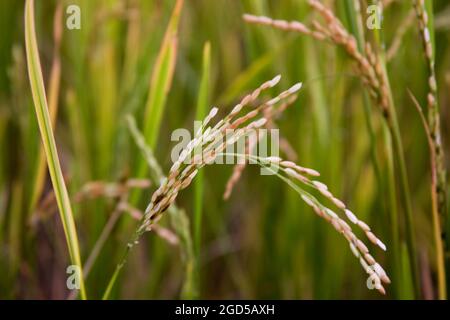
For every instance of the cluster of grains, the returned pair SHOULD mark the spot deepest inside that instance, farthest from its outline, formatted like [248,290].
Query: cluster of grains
[433,109]
[240,167]
[207,144]
[428,48]
[368,65]
[270,113]
[205,147]
[359,249]
[370,68]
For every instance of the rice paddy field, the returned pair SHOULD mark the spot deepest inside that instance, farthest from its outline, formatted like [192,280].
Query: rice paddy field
[96,201]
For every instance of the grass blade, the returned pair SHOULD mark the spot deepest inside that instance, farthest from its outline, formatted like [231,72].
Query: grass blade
[159,87]
[162,78]
[202,105]
[53,93]
[403,180]
[178,217]
[48,140]
[160,84]
[425,19]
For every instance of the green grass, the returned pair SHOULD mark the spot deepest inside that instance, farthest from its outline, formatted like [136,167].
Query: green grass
[69,122]
[202,107]
[160,82]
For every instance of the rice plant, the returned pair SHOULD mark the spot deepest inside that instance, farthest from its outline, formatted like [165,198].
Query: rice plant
[95,176]
[212,141]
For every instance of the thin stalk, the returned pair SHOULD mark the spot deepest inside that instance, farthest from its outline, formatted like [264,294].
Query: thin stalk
[48,140]
[178,217]
[442,292]
[425,17]
[202,105]
[391,196]
[106,232]
[116,273]
[355,25]
[159,88]
[406,195]
[394,128]
[390,116]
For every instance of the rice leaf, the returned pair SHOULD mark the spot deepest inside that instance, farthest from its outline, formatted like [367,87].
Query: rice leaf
[159,88]
[162,78]
[202,105]
[53,93]
[48,140]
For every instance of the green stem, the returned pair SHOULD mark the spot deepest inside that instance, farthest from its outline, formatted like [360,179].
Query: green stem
[391,196]
[425,17]
[390,116]
[355,24]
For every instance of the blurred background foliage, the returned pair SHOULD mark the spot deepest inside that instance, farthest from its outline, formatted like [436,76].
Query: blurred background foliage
[263,242]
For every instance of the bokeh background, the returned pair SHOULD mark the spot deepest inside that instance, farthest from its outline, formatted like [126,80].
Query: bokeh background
[264,242]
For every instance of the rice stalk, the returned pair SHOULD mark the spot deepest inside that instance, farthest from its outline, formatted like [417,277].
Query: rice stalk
[434,205]
[209,140]
[160,84]
[334,32]
[118,191]
[358,248]
[424,12]
[386,182]
[48,140]
[372,70]
[178,217]
[394,129]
